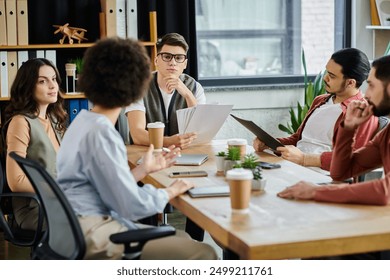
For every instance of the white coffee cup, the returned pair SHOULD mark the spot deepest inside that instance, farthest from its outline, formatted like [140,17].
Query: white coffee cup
[240,184]
[240,143]
[156,135]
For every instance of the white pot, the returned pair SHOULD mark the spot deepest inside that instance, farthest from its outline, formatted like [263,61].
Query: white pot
[230,163]
[259,185]
[220,162]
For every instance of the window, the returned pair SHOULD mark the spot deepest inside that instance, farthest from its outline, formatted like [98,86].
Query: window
[260,41]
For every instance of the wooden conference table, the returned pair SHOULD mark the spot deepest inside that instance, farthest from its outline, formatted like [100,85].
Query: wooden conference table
[277,228]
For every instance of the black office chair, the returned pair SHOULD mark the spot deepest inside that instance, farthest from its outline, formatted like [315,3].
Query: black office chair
[65,239]
[13,233]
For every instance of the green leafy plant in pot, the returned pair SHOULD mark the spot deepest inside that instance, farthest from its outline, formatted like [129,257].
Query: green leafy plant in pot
[232,158]
[220,162]
[250,162]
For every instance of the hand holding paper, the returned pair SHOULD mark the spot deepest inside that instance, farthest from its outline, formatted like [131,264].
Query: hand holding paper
[204,119]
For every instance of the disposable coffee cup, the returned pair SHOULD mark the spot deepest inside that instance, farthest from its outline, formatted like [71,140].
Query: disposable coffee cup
[240,184]
[240,143]
[156,135]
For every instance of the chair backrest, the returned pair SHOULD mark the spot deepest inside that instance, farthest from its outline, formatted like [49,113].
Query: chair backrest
[65,239]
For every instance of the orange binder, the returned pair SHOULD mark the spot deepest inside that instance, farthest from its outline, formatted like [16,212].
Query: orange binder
[109,9]
[374,13]
[10,10]
[22,21]
[3,29]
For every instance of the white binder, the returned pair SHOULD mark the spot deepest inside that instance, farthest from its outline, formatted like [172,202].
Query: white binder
[121,18]
[131,19]
[3,74]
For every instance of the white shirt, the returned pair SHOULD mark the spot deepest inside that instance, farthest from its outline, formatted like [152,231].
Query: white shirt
[95,176]
[139,105]
[318,132]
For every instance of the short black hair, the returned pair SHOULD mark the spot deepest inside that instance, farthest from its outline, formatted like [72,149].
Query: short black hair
[382,69]
[354,63]
[172,39]
[116,72]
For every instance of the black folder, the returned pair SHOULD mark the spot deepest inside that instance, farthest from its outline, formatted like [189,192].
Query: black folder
[267,139]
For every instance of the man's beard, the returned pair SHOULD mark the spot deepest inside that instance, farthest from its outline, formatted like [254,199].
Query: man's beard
[383,108]
[341,88]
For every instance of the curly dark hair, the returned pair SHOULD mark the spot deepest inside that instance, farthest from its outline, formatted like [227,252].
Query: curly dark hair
[116,72]
[22,101]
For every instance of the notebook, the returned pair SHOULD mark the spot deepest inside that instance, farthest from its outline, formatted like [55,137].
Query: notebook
[187,159]
[191,159]
[210,191]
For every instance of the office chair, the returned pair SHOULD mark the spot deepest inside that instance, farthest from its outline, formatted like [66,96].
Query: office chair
[65,239]
[13,233]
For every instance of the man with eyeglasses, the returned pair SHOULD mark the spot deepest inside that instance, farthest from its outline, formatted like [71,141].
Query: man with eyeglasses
[170,90]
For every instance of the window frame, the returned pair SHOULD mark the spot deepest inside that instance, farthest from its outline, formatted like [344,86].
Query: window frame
[342,26]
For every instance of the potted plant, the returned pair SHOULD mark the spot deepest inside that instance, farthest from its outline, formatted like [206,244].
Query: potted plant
[220,161]
[250,162]
[232,158]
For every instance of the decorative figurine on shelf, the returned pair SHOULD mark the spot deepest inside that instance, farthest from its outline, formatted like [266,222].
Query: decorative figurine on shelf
[70,32]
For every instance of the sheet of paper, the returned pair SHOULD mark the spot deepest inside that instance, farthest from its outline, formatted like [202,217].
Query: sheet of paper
[204,119]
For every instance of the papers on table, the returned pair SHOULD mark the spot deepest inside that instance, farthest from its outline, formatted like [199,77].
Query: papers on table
[204,119]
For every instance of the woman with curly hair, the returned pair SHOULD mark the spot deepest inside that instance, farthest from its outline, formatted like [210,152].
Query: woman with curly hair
[35,124]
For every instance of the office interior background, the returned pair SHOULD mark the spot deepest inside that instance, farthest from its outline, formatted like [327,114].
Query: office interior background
[245,53]
[248,53]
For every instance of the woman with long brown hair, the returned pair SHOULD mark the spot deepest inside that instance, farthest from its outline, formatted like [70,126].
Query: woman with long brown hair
[35,124]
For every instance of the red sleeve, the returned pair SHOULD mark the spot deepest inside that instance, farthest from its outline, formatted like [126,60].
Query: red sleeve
[375,192]
[347,163]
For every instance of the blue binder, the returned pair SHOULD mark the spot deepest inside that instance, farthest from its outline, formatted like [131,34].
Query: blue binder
[73,109]
[83,104]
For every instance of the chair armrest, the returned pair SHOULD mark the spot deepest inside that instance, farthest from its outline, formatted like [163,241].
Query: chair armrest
[142,235]
[31,238]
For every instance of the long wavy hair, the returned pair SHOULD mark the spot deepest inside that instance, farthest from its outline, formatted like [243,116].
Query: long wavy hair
[22,101]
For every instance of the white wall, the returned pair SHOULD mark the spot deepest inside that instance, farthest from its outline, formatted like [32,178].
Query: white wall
[265,107]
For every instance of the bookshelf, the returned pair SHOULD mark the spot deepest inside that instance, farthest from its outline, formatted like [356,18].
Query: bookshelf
[62,52]
[380,40]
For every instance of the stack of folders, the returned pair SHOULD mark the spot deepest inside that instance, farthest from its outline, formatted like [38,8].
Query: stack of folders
[204,119]
[13,22]
[119,18]
[10,62]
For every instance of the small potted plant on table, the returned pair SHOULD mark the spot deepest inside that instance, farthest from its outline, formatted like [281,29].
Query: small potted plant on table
[232,158]
[220,161]
[250,162]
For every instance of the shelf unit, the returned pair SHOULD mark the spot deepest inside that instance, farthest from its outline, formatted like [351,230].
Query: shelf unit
[151,45]
[380,40]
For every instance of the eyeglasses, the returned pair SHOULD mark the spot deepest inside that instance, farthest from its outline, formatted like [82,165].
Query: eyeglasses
[167,57]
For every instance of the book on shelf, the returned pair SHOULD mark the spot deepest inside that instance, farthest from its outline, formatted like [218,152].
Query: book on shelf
[3,74]
[131,19]
[3,29]
[22,22]
[12,68]
[10,15]
[121,18]
[374,13]
[22,57]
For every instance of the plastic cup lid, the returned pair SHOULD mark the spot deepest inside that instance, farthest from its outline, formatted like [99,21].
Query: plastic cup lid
[239,174]
[237,142]
[155,125]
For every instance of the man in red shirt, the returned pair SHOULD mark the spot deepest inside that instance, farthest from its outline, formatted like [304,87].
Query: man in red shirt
[347,163]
